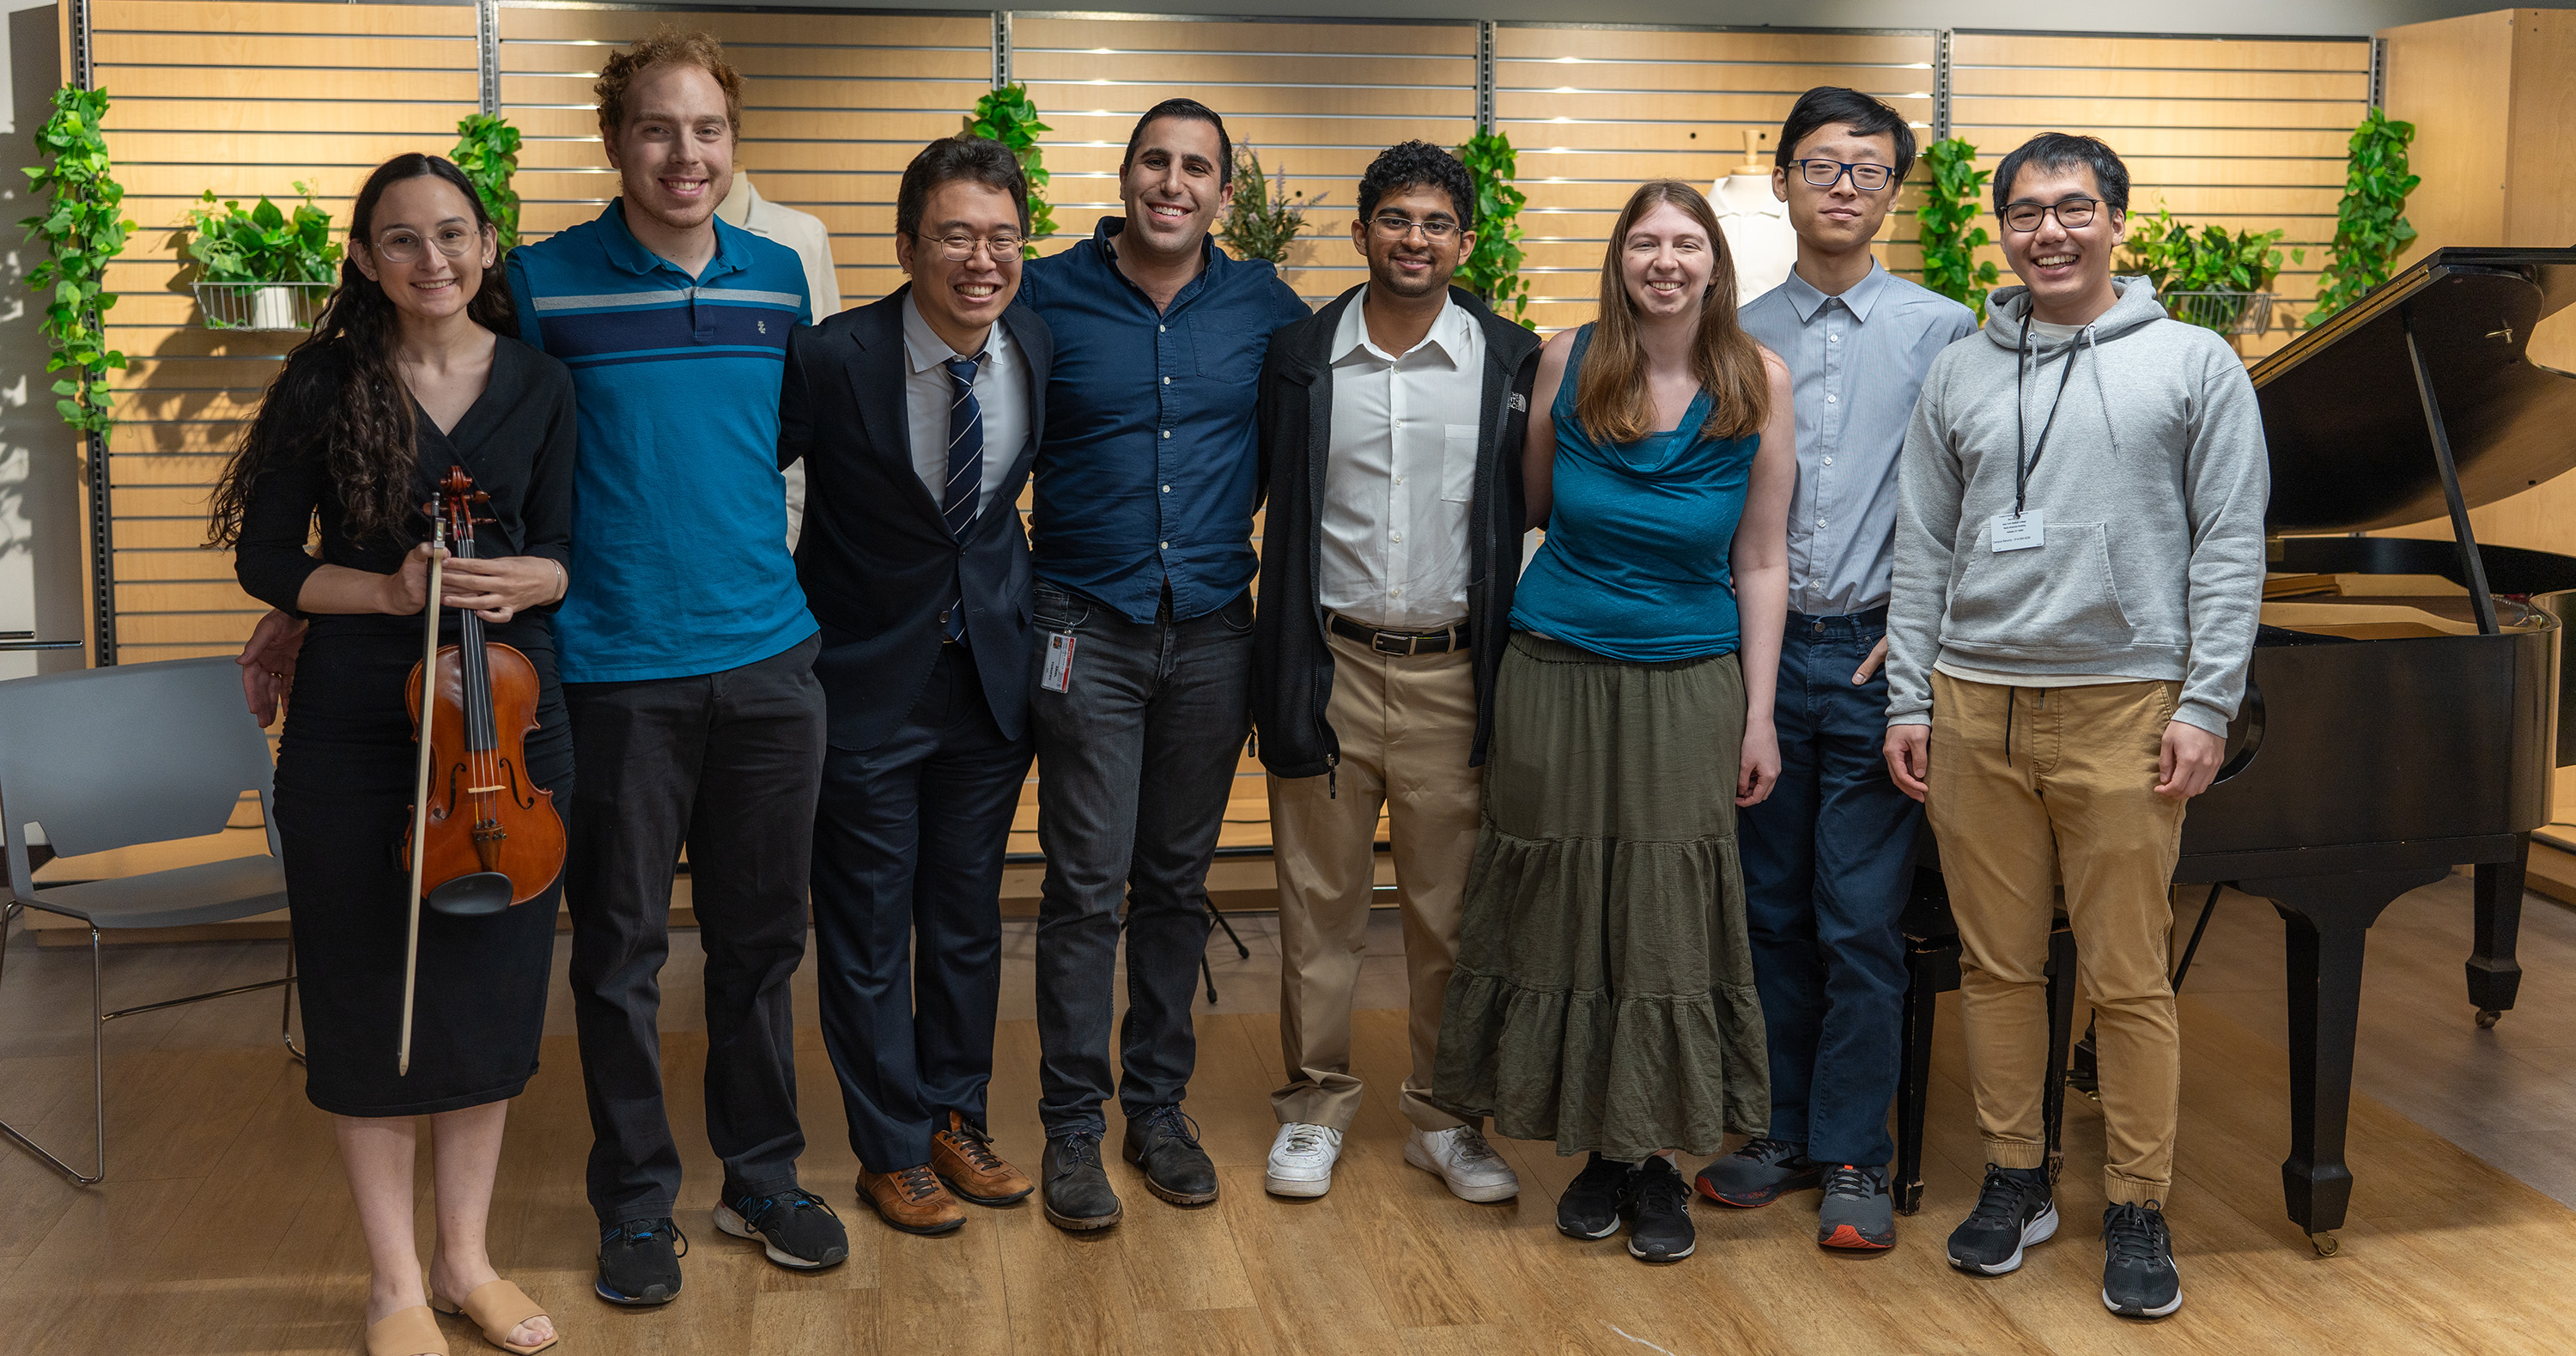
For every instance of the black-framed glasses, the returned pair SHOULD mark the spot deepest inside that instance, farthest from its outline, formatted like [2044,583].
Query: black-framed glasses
[1867,178]
[957,249]
[403,246]
[2072,213]
[1396,227]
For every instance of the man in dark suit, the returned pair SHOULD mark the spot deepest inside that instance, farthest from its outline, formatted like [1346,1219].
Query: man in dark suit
[917,418]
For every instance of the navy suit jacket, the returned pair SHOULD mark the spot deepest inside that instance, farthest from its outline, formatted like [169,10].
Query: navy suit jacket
[876,558]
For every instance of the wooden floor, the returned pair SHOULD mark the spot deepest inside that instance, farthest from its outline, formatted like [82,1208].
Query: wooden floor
[226,1228]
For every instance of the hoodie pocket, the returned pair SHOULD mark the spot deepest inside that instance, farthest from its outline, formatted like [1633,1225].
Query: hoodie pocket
[2059,601]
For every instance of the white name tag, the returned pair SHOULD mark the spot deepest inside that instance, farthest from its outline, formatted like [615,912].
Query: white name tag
[2015,531]
[1059,663]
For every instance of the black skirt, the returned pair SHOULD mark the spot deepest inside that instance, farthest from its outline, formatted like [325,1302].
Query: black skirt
[345,768]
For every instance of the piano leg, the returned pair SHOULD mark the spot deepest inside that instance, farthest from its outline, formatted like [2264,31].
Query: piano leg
[2061,1032]
[1923,964]
[2494,974]
[2327,919]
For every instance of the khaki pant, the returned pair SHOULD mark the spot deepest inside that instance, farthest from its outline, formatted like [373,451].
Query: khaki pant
[2030,786]
[1406,725]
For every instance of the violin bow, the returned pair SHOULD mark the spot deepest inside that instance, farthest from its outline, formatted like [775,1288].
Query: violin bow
[420,777]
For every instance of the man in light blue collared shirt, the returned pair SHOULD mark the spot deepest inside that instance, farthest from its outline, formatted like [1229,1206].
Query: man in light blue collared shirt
[1828,856]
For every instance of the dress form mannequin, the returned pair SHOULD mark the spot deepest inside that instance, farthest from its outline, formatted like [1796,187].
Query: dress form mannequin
[1756,223]
[812,241]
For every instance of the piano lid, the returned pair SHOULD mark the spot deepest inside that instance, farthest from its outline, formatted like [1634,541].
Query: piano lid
[2348,441]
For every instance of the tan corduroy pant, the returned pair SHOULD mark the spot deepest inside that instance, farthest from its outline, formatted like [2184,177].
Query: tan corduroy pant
[2030,786]
[1406,724]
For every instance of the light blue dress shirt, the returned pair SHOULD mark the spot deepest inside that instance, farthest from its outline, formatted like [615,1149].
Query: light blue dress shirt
[1856,362]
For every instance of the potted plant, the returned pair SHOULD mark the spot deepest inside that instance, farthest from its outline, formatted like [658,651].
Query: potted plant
[82,228]
[1946,224]
[1008,116]
[1265,217]
[487,151]
[2370,222]
[281,262]
[1492,270]
[2215,278]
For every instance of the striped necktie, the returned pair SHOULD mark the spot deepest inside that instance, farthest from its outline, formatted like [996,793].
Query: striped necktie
[965,483]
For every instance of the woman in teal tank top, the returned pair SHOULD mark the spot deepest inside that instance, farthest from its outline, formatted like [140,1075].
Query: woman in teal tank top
[1604,992]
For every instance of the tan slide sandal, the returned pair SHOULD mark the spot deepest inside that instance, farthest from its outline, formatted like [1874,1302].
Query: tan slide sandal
[498,1307]
[406,1332]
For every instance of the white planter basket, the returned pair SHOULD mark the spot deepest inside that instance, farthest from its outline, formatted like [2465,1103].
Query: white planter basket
[261,306]
[2225,312]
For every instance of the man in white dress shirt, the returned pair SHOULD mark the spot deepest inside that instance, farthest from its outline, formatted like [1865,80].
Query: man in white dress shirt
[1390,428]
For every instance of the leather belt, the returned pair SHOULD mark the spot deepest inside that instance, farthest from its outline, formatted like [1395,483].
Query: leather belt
[1399,643]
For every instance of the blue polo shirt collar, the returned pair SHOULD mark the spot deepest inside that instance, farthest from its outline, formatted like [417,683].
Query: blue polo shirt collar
[631,254]
[1858,298]
[1210,259]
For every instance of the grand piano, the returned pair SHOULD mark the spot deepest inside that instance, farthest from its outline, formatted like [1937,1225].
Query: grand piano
[2386,738]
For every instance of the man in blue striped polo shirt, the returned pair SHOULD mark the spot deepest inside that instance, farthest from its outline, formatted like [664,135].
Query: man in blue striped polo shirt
[687,659]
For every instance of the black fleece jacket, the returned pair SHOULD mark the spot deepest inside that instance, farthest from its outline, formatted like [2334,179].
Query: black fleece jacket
[1292,668]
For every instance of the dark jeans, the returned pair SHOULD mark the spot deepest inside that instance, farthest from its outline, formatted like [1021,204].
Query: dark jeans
[1135,760]
[725,763]
[908,844]
[1826,863]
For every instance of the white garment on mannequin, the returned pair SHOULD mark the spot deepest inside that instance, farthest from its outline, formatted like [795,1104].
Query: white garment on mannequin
[812,241]
[1758,235]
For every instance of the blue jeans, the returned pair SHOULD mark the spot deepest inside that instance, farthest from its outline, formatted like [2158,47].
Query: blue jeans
[1827,860]
[1136,757]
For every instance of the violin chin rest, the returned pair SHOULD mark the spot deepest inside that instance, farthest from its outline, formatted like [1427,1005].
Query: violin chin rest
[471,896]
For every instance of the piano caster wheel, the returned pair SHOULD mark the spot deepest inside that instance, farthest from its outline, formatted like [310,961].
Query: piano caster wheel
[2487,1018]
[2327,1245]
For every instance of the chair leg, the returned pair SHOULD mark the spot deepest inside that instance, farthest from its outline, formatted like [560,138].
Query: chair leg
[1241,951]
[97,1076]
[1914,1078]
[286,1004]
[2061,1024]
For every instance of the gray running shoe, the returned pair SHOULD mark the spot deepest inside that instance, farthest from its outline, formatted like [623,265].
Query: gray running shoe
[1857,1212]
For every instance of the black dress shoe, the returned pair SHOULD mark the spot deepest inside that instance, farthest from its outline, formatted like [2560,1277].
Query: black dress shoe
[1165,1143]
[1076,1192]
[639,1261]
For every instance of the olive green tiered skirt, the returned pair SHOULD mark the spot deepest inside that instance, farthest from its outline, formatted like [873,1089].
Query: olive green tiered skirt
[1604,993]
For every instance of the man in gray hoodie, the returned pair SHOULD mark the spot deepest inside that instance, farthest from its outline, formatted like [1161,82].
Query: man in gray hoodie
[2079,565]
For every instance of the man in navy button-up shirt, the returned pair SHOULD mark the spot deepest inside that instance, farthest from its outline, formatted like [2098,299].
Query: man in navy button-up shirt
[1146,483]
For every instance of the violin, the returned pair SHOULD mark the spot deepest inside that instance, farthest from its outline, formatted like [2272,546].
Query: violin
[482,836]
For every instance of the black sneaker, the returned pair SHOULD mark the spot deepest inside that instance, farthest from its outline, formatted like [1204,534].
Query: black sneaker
[1761,1172]
[639,1261]
[2138,1276]
[1076,1192]
[1590,1206]
[1657,1209]
[1164,1142]
[1857,1212]
[794,1226]
[2014,1210]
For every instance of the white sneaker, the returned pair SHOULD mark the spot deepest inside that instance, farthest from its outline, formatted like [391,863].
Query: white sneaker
[1302,1158]
[1464,1160]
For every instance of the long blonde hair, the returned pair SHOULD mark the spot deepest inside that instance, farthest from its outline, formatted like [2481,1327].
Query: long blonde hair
[1611,400]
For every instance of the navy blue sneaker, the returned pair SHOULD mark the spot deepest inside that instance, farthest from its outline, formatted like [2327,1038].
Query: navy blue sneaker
[639,1261]
[795,1227]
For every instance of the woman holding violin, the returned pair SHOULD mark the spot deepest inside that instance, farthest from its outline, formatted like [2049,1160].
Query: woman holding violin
[408,377]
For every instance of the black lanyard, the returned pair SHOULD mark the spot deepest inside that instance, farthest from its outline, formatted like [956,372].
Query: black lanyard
[2021,467]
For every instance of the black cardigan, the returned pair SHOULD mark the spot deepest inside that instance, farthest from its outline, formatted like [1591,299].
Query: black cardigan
[1292,670]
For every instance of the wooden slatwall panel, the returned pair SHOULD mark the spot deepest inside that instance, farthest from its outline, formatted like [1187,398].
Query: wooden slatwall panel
[834,106]
[2244,133]
[244,99]
[1317,99]
[1596,111]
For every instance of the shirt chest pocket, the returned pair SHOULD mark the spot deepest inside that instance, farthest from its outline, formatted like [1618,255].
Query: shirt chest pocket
[1458,462]
[1226,349]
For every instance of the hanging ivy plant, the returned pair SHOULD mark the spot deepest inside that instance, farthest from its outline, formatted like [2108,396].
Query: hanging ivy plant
[1006,115]
[487,149]
[263,244]
[1946,225]
[2370,222]
[1493,269]
[83,227]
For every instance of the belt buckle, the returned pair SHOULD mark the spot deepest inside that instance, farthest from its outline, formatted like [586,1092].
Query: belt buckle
[1378,642]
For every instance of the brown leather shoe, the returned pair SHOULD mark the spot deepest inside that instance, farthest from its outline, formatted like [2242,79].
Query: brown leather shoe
[962,1155]
[911,1199]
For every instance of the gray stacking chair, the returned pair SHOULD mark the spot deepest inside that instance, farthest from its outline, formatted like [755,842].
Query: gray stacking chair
[119,757]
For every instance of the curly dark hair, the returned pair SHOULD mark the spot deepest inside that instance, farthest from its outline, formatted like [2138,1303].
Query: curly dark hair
[1420,164]
[339,388]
